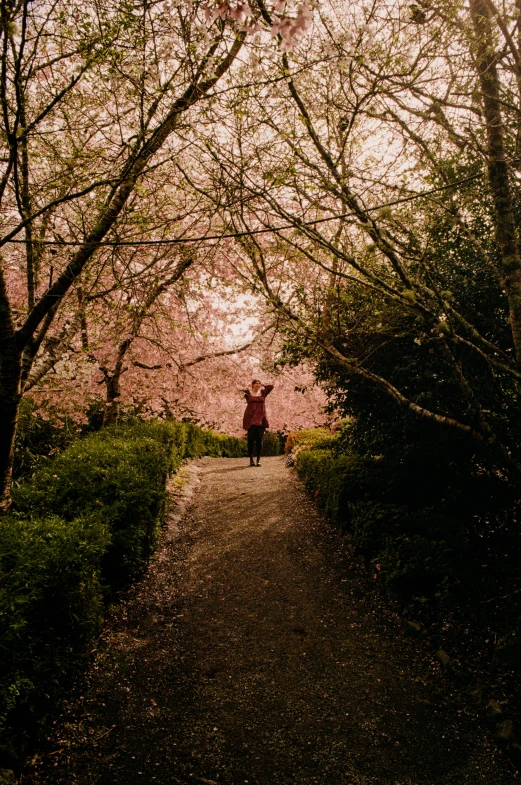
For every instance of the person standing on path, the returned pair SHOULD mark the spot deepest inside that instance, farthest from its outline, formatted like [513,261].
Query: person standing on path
[255,421]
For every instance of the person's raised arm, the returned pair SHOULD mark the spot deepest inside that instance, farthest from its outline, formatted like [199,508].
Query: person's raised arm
[267,388]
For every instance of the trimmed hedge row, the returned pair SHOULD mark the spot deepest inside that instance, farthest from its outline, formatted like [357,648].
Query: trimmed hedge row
[83,527]
[308,439]
[273,444]
[38,440]
[117,478]
[51,606]
[337,481]
[408,544]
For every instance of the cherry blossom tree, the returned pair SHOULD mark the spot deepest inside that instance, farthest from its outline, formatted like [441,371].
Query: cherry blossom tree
[93,102]
[182,354]
[89,98]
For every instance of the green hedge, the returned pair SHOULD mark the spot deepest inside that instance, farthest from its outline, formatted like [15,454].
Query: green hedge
[337,481]
[118,478]
[272,444]
[310,438]
[184,439]
[83,526]
[51,606]
[38,439]
[408,544]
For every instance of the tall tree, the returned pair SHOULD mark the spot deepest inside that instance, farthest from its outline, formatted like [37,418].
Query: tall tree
[89,97]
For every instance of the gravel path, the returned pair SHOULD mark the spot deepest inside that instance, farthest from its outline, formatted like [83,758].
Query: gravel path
[252,653]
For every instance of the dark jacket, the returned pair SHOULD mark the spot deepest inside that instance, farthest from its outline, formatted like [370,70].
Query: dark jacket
[255,413]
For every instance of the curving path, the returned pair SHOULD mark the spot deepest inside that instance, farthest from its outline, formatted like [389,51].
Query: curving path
[252,653]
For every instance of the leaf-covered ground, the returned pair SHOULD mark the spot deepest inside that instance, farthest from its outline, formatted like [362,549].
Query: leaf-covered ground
[253,652]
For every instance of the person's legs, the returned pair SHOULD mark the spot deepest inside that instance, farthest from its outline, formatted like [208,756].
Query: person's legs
[251,443]
[258,441]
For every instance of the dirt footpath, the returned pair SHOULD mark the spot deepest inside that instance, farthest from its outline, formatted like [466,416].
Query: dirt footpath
[252,653]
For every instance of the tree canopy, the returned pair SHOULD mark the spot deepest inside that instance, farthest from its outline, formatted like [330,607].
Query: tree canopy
[194,192]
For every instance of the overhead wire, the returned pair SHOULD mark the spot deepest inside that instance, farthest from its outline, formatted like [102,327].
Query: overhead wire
[248,232]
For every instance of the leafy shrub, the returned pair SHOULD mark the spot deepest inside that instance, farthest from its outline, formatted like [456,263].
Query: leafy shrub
[38,439]
[337,480]
[415,546]
[416,565]
[310,438]
[186,440]
[271,444]
[374,524]
[119,479]
[51,606]
[119,474]
[206,442]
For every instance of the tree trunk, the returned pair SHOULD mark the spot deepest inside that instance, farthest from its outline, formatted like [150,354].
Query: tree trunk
[506,233]
[112,384]
[111,412]
[10,375]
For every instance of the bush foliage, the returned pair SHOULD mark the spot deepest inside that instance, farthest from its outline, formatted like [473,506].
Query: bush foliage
[412,518]
[82,527]
[38,439]
[272,444]
[119,479]
[309,438]
[51,606]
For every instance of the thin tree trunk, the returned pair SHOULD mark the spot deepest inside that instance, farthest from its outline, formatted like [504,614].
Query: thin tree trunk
[10,374]
[83,320]
[506,233]
[112,383]
[112,379]
[10,385]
